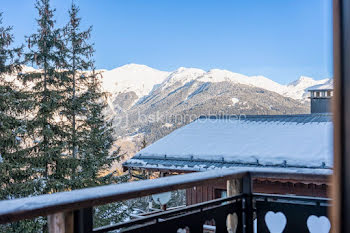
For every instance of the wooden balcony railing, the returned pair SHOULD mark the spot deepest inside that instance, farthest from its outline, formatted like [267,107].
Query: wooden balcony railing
[73,211]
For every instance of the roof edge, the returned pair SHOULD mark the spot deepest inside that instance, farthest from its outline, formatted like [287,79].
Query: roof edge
[231,163]
[240,116]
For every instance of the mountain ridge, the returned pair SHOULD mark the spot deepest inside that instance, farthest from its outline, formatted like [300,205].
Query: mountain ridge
[148,103]
[143,79]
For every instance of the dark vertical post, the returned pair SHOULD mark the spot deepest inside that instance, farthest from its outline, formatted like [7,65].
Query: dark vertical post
[248,220]
[341,108]
[83,220]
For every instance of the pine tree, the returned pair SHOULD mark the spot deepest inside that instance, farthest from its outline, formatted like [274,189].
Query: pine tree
[47,52]
[15,177]
[98,139]
[91,135]
[11,126]
[78,53]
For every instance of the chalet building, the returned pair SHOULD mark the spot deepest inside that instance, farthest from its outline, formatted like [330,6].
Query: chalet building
[287,143]
[320,97]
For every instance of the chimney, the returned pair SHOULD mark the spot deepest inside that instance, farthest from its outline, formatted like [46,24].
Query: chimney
[320,100]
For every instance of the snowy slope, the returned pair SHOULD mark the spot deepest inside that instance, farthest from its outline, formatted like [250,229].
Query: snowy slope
[298,89]
[132,77]
[142,79]
[185,75]
[217,75]
[25,69]
[182,75]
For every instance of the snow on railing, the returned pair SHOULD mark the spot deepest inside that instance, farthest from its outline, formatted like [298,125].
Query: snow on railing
[78,203]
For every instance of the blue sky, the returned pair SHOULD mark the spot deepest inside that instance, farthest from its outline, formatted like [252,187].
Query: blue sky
[280,39]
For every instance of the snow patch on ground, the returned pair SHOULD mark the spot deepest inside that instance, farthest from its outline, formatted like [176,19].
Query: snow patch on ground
[168,125]
[234,100]
[200,89]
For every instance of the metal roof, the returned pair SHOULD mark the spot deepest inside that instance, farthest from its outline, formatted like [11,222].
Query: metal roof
[327,86]
[195,162]
[297,118]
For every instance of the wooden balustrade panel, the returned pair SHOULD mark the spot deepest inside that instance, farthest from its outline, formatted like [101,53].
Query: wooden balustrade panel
[296,215]
[194,221]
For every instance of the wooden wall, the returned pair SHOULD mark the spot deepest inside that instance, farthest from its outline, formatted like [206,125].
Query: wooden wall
[209,192]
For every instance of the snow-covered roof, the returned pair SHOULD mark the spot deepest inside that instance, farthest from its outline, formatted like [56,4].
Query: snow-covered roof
[325,86]
[284,141]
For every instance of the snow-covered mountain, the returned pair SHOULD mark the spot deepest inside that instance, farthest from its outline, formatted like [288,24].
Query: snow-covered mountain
[150,102]
[132,77]
[298,89]
[142,79]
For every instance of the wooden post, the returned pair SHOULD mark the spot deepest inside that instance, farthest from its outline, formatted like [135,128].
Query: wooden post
[234,187]
[164,207]
[61,222]
[340,210]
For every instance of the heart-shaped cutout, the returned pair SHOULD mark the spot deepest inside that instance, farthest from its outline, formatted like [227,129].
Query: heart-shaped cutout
[232,222]
[276,222]
[318,224]
[255,225]
[183,230]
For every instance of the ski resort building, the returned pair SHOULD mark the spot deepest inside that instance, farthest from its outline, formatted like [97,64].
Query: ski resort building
[287,143]
[321,96]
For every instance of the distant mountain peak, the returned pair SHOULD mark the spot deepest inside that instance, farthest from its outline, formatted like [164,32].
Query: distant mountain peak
[187,70]
[299,87]
[182,75]
[136,67]
[133,77]
[143,79]
[302,80]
